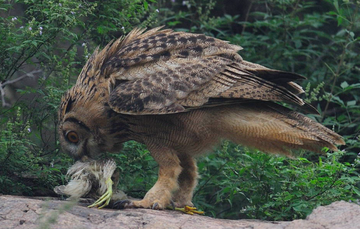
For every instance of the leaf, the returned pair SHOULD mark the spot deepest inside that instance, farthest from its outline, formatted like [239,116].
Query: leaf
[336,4]
[351,103]
[297,43]
[146,5]
[173,23]
[288,197]
[344,84]
[100,29]
[337,99]
[352,86]
[356,191]
[339,19]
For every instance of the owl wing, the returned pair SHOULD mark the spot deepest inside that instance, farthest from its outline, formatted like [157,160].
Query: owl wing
[162,72]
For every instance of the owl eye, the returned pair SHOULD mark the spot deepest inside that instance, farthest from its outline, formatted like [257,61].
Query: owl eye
[72,136]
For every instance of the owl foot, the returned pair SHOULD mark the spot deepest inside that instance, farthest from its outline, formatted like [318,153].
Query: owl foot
[189,210]
[122,204]
[106,197]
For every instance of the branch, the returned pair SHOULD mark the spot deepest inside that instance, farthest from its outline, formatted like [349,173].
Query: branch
[30,74]
[7,82]
[2,92]
[246,17]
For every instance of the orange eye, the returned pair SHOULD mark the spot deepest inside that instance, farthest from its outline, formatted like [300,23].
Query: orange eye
[72,137]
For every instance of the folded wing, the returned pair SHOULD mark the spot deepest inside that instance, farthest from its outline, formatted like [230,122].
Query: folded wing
[164,72]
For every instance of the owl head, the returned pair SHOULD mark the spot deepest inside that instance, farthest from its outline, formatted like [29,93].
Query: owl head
[89,127]
[85,118]
[80,122]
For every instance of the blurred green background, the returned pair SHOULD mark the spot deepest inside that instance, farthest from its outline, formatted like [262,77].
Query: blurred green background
[44,45]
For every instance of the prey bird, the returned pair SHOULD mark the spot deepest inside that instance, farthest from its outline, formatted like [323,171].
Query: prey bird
[181,94]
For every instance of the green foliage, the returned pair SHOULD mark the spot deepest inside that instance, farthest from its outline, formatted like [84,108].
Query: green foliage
[13,150]
[236,183]
[54,38]
[24,165]
[33,36]
[318,39]
[114,18]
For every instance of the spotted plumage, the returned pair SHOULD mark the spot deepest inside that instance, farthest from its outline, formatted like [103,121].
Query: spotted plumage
[180,94]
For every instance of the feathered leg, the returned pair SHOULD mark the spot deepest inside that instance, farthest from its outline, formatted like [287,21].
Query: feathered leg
[159,196]
[187,182]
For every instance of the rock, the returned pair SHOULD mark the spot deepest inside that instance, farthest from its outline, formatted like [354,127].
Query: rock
[25,212]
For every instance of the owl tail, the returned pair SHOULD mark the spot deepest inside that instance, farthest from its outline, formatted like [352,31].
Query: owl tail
[272,128]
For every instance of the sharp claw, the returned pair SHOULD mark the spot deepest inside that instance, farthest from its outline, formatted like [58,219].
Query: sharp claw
[121,204]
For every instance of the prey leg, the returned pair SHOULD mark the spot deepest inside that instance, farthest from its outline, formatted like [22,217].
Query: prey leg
[106,197]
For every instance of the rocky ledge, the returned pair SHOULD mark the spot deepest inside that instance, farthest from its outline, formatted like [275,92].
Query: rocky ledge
[25,212]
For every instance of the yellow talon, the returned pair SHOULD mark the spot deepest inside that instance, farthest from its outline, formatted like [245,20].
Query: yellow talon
[106,197]
[189,210]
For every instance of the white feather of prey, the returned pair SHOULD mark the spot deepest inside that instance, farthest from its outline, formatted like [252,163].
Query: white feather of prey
[87,175]
[78,187]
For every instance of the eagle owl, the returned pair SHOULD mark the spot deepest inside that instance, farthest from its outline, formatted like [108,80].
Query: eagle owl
[180,94]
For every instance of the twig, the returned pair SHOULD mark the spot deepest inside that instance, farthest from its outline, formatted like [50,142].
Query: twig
[207,181]
[246,17]
[7,82]
[4,104]
[336,75]
[30,74]
[327,189]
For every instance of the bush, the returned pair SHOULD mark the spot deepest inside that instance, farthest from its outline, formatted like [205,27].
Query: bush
[238,183]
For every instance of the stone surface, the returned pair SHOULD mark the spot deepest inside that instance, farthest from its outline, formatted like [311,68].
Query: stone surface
[25,212]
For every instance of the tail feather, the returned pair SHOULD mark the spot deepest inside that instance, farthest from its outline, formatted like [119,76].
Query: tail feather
[275,129]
